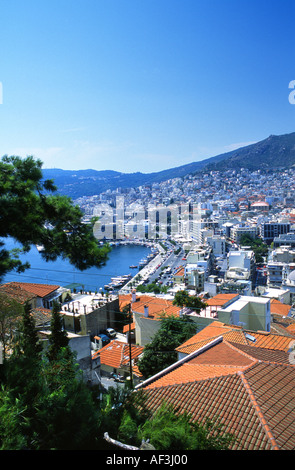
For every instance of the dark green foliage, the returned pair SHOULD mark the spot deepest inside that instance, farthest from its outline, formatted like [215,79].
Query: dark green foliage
[10,310]
[160,352]
[28,340]
[169,430]
[58,413]
[152,287]
[31,213]
[45,404]
[183,299]
[260,249]
[58,337]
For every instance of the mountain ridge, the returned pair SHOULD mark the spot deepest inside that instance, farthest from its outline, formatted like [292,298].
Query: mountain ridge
[274,152]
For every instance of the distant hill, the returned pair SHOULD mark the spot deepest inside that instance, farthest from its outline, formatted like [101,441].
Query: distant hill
[277,151]
[271,153]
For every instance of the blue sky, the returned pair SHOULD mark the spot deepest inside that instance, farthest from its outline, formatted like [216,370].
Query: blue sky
[143,85]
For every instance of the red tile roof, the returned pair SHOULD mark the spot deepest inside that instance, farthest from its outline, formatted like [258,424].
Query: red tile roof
[277,307]
[39,290]
[157,306]
[235,334]
[180,272]
[126,328]
[17,293]
[116,353]
[254,399]
[221,299]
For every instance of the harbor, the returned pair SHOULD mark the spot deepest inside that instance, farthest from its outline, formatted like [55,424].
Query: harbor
[116,270]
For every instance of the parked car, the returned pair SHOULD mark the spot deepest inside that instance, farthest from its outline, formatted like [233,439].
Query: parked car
[110,332]
[117,377]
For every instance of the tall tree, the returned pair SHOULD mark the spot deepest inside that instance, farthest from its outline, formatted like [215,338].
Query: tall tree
[10,311]
[22,368]
[58,338]
[29,342]
[32,212]
[160,352]
[183,299]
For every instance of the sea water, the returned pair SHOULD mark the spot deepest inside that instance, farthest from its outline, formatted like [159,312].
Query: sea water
[62,273]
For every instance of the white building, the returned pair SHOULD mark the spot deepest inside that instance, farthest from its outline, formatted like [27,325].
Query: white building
[243,259]
[218,245]
[252,313]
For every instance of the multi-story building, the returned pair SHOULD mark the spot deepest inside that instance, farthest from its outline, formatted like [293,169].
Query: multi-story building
[243,259]
[236,232]
[287,239]
[201,256]
[218,244]
[194,277]
[270,230]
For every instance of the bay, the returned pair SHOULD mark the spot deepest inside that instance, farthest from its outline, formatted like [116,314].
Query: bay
[62,273]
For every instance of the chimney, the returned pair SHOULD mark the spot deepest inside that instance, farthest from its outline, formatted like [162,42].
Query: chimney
[133,296]
[146,311]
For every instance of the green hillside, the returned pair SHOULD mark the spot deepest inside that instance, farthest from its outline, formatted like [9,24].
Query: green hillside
[276,151]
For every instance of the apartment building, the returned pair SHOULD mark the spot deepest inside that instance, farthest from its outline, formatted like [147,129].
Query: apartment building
[236,232]
[271,230]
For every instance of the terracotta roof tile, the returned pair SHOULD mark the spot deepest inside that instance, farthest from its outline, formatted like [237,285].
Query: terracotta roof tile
[157,306]
[193,372]
[126,328]
[221,299]
[221,398]
[277,307]
[41,315]
[17,293]
[40,290]
[291,329]
[116,353]
[213,330]
[254,399]
[235,334]
[180,272]
[270,341]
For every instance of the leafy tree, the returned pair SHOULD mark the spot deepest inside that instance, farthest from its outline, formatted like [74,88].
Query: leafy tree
[67,417]
[152,287]
[170,430]
[260,249]
[10,311]
[183,299]
[25,360]
[160,352]
[31,213]
[29,342]
[44,404]
[60,413]
[12,421]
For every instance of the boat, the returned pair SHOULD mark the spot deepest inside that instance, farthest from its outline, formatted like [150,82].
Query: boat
[143,262]
[109,287]
[133,266]
[119,281]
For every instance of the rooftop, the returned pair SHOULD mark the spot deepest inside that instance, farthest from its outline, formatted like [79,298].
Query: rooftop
[157,306]
[235,334]
[40,290]
[116,353]
[249,389]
